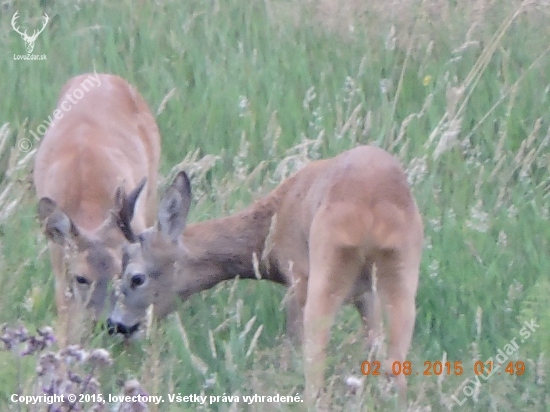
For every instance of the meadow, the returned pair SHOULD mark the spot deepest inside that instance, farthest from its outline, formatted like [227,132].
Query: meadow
[247,92]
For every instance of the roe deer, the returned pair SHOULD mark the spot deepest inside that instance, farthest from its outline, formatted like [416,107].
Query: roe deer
[99,146]
[319,233]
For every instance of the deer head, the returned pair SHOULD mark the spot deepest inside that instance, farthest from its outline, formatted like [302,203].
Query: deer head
[150,265]
[29,40]
[92,259]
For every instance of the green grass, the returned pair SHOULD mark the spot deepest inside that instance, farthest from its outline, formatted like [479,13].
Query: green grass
[251,82]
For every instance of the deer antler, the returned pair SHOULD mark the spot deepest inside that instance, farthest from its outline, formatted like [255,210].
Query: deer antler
[46,20]
[13,24]
[37,32]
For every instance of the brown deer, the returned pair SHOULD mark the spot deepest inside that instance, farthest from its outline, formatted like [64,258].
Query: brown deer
[102,143]
[320,233]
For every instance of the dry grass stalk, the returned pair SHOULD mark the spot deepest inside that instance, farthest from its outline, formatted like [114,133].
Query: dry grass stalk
[165,100]
[254,341]
[200,365]
[247,328]
[212,344]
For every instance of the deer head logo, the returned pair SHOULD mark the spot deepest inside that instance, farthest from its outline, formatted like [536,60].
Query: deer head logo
[29,40]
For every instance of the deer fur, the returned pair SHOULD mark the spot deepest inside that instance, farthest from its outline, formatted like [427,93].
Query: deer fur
[95,151]
[327,226]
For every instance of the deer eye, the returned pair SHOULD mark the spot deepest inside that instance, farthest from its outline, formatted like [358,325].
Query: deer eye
[82,280]
[137,280]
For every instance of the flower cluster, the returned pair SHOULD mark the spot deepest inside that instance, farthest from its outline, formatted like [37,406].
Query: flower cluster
[68,375]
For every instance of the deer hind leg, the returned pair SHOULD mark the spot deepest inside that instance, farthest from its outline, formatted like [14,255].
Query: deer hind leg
[397,282]
[294,321]
[296,299]
[294,330]
[333,273]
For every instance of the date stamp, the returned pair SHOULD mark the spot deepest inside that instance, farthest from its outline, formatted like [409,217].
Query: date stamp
[438,368]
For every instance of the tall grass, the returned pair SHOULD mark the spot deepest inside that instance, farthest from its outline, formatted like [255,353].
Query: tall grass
[248,92]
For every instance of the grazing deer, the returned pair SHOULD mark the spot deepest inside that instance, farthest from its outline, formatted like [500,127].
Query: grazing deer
[95,150]
[320,233]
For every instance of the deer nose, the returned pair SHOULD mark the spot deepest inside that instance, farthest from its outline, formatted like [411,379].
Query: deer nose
[117,327]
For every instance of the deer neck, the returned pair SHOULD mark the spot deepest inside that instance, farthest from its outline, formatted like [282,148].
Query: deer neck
[222,249]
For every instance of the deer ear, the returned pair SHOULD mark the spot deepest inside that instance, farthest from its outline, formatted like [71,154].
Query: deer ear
[58,227]
[125,208]
[174,207]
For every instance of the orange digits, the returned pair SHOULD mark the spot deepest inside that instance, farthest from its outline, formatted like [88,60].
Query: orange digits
[439,368]
[404,368]
[427,371]
[520,370]
[478,368]
[458,365]
[407,368]
[396,371]
[366,368]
